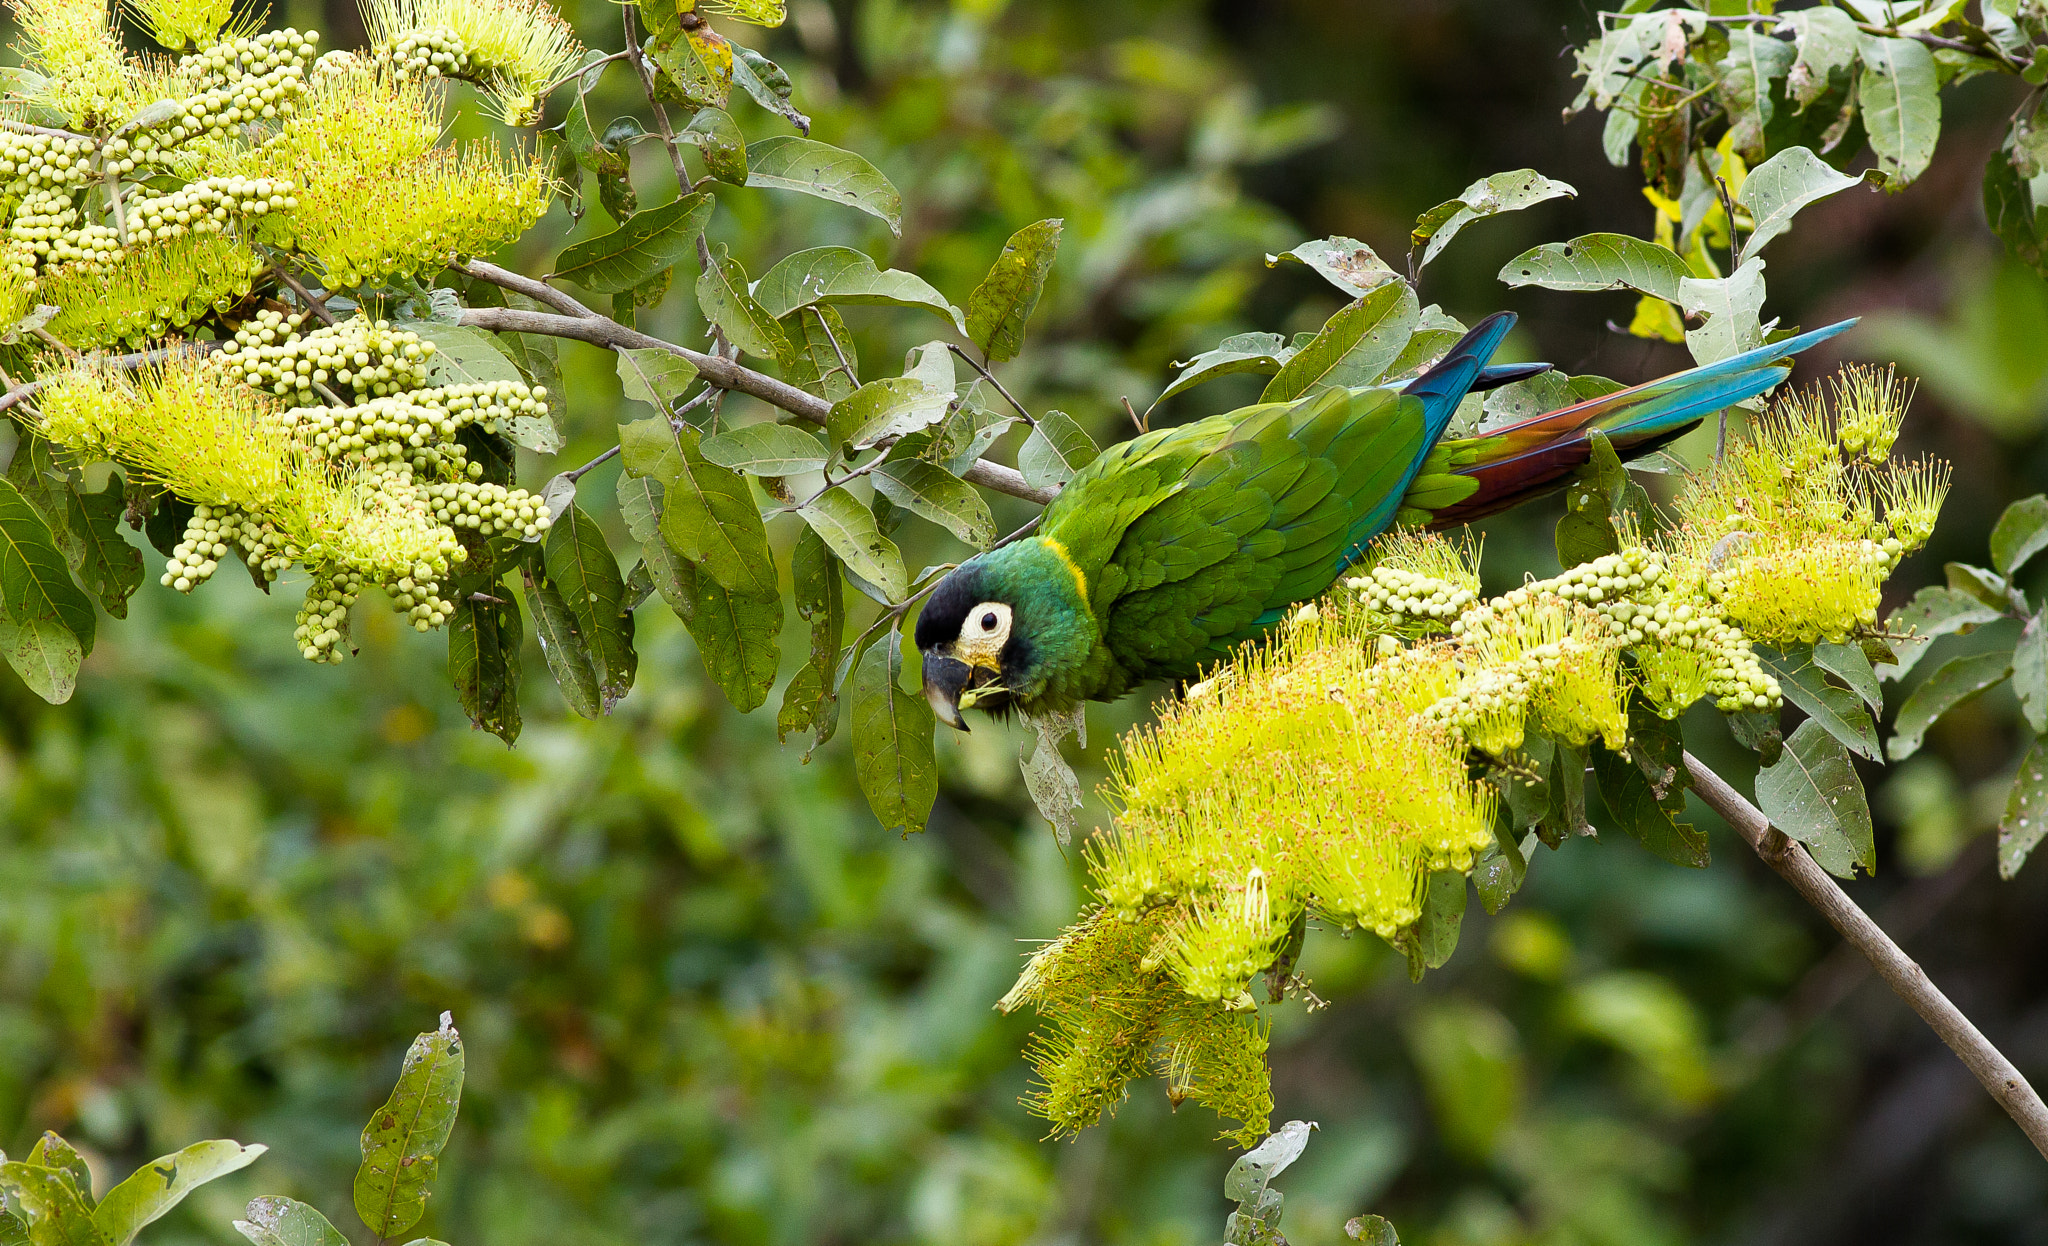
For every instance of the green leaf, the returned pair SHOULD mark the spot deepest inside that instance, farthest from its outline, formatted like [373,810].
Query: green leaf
[1933,613]
[1742,81]
[1498,873]
[274,1221]
[1780,187]
[651,243]
[716,138]
[883,409]
[708,514]
[1489,196]
[1353,348]
[1644,790]
[822,358]
[1813,794]
[810,702]
[765,450]
[2026,811]
[464,356]
[1758,731]
[1056,449]
[2022,532]
[1346,263]
[1954,682]
[766,82]
[722,293]
[156,1187]
[1001,305]
[931,492]
[1826,42]
[696,62]
[2030,673]
[1901,100]
[110,567]
[1261,353]
[1733,307]
[52,1151]
[47,624]
[585,148]
[484,639]
[1434,936]
[1371,1231]
[849,530]
[402,1143]
[813,168]
[1434,335]
[13,1232]
[654,376]
[58,1212]
[581,567]
[738,635]
[844,275]
[1598,262]
[1565,790]
[2013,204]
[1987,587]
[563,645]
[892,739]
[1851,665]
[1599,492]
[1839,711]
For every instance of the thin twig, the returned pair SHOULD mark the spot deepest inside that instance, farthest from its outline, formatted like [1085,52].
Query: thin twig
[1137,421]
[990,377]
[576,474]
[520,283]
[314,305]
[48,338]
[578,72]
[1906,979]
[716,370]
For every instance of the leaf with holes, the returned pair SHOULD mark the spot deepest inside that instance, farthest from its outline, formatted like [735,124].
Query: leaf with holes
[765,450]
[708,514]
[1851,665]
[161,1184]
[276,1221]
[849,530]
[1489,196]
[882,409]
[1779,188]
[2026,811]
[403,1141]
[59,1213]
[844,275]
[1953,683]
[2030,673]
[1598,262]
[1001,305]
[931,492]
[1812,793]
[1838,710]
[769,86]
[654,376]
[1733,307]
[1346,263]
[892,740]
[1934,612]
[813,168]
[653,242]
[1056,449]
[715,136]
[1353,348]
[1742,83]
[1825,43]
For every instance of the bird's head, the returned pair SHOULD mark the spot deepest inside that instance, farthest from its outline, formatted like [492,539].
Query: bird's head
[999,627]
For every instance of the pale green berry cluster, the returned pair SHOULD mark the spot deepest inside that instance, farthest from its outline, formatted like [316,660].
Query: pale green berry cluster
[30,161]
[323,619]
[489,510]
[1410,594]
[257,78]
[366,356]
[433,53]
[198,555]
[207,206]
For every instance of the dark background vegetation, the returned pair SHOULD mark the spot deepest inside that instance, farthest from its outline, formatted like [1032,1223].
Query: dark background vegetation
[708,1000]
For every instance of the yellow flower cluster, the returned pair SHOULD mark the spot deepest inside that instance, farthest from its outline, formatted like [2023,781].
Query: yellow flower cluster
[1325,772]
[76,46]
[515,48]
[155,288]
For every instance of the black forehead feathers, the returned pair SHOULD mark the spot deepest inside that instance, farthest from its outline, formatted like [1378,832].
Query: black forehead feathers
[939,622]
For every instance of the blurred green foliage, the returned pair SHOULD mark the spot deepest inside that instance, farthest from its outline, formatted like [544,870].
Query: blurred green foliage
[707,1000]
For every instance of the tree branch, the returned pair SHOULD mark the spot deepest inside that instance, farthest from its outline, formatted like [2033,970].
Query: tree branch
[714,369]
[1906,979]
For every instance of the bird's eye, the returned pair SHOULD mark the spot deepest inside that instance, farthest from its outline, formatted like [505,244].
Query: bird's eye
[988,621]
[987,626]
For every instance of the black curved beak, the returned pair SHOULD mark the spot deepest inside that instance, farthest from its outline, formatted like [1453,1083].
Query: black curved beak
[944,680]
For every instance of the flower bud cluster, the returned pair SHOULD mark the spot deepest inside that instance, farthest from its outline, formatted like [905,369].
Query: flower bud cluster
[366,356]
[32,161]
[323,619]
[1410,595]
[257,78]
[199,553]
[206,206]
[434,53]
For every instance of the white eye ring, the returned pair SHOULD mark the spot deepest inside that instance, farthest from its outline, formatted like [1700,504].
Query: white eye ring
[987,625]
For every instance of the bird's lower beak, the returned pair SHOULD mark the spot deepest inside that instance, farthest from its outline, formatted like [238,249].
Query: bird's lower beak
[944,679]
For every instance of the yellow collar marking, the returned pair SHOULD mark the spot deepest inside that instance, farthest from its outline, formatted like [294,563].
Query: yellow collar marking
[1080,581]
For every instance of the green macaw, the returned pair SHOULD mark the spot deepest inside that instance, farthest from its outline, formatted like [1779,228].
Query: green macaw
[1172,548]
